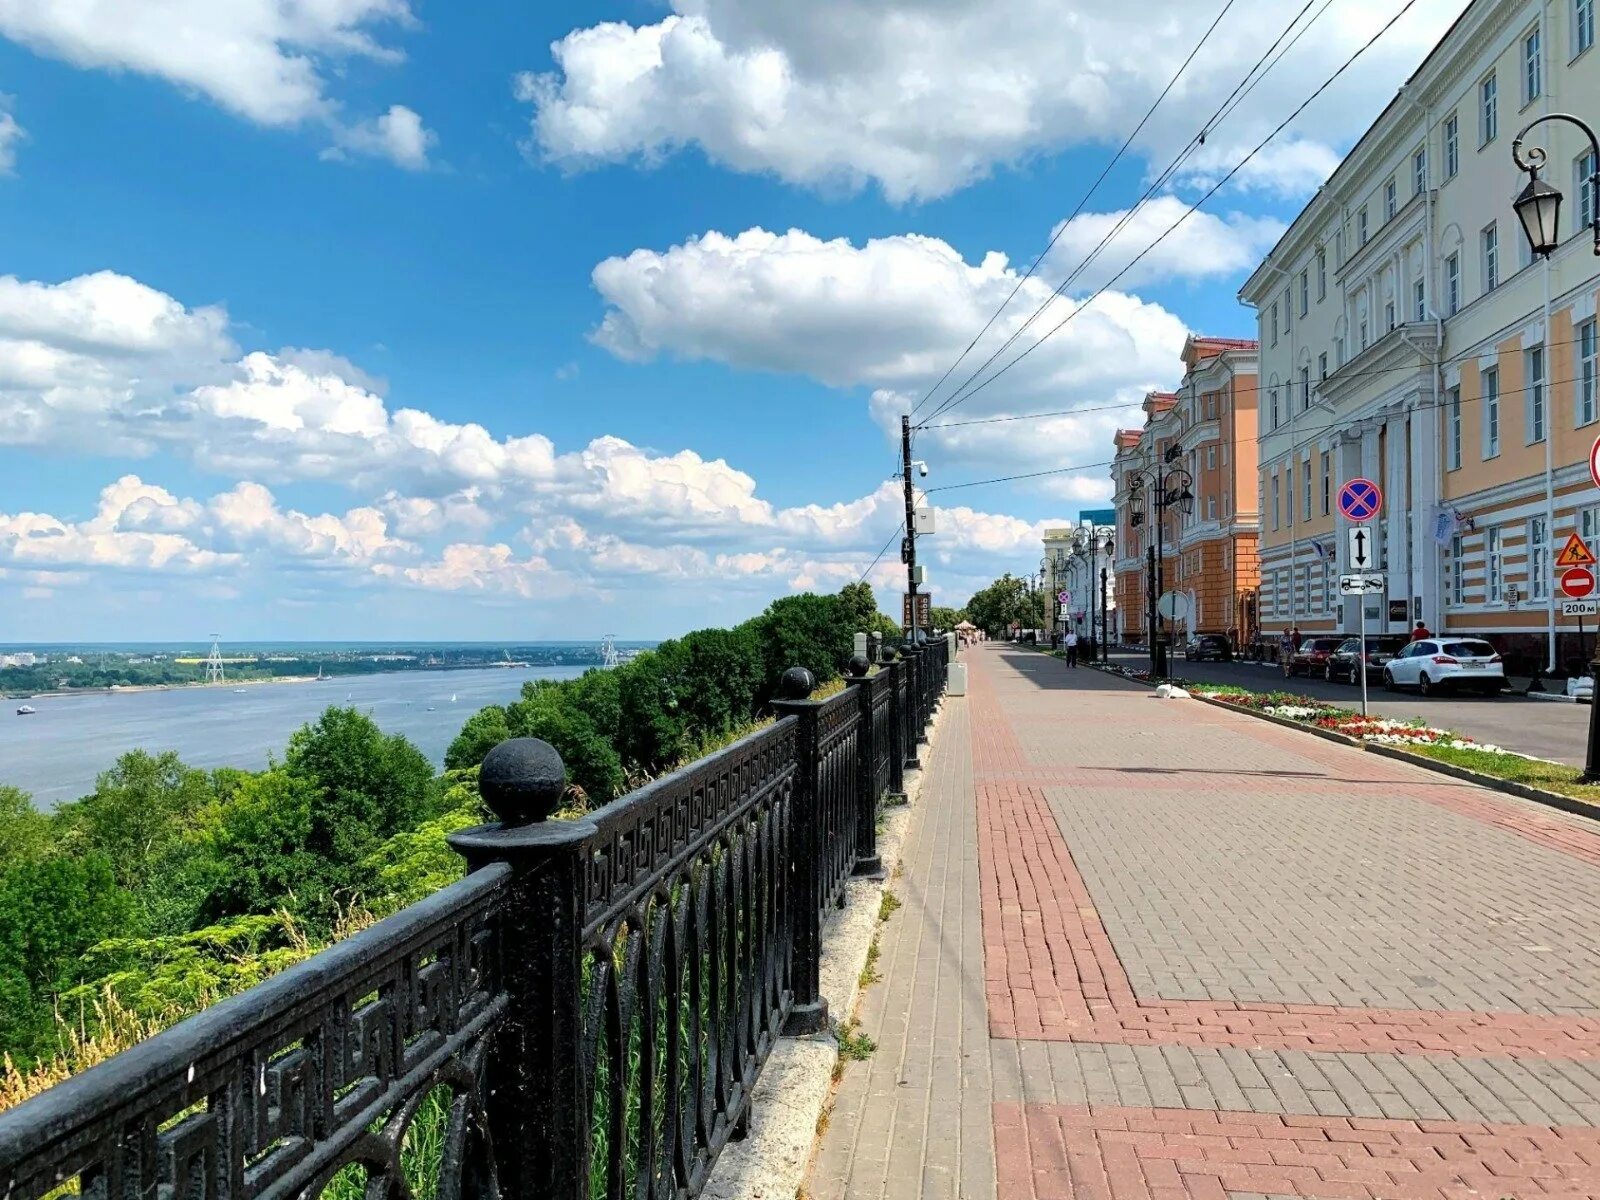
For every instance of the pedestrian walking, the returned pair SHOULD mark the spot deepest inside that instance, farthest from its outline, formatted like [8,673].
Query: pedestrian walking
[1420,632]
[1072,648]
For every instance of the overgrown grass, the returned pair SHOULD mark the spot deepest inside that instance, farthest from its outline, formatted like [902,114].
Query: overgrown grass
[854,1046]
[888,905]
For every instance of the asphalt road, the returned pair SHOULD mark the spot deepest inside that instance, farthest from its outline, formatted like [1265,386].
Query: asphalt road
[1542,728]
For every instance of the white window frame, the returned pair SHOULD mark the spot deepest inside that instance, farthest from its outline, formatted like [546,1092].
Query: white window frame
[1538,557]
[1211,458]
[1419,171]
[1211,508]
[1391,203]
[1272,395]
[1585,348]
[1452,284]
[1582,26]
[1454,457]
[1488,109]
[1388,316]
[1452,147]
[1533,391]
[1277,502]
[1305,388]
[1583,189]
[1305,292]
[1274,322]
[1489,240]
[1532,65]
[1458,571]
[1327,483]
[1322,366]
[1490,385]
[1322,275]
[1362,226]
[1305,469]
[1419,296]
[1493,566]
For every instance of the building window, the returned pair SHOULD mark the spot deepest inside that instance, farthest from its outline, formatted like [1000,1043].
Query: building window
[1491,256]
[1458,572]
[1276,505]
[1455,429]
[1488,110]
[1322,275]
[1586,371]
[1211,508]
[1533,379]
[1452,285]
[1288,312]
[1327,484]
[1305,292]
[1363,332]
[1584,188]
[1338,350]
[1274,322]
[1494,566]
[1305,507]
[1419,172]
[1452,146]
[1491,412]
[1419,301]
[1288,493]
[1361,226]
[1211,458]
[1583,25]
[1532,67]
[1272,395]
[1388,316]
[1305,388]
[1538,558]
[1227,499]
[1390,202]
[1322,366]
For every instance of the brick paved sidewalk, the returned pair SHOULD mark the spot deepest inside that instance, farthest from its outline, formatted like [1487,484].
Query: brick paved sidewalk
[1155,949]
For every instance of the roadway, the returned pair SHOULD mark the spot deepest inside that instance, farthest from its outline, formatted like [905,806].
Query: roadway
[1543,728]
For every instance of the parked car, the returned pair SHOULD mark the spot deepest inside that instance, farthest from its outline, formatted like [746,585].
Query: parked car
[1381,647]
[1208,645]
[1310,656]
[1436,664]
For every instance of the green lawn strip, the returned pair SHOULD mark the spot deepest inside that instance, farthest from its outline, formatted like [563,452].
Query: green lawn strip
[1531,772]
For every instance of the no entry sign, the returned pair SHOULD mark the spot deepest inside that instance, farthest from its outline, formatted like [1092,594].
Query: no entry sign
[1577,582]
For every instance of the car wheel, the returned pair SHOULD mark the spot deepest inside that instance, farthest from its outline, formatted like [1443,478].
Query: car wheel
[1327,672]
[1388,681]
[1425,685]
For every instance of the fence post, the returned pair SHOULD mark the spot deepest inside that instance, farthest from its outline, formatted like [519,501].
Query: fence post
[809,1012]
[867,861]
[897,725]
[538,1097]
[913,711]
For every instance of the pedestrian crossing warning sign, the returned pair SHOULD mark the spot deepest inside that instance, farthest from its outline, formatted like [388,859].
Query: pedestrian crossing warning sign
[1575,553]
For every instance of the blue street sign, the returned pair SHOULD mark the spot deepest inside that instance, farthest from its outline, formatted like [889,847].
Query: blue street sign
[1360,500]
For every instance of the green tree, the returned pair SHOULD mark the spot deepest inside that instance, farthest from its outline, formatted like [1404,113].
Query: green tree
[721,672]
[484,730]
[24,830]
[365,786]
[592,763]
[805,630]
[946,619]
[138,809]
[254,855]
[51,911]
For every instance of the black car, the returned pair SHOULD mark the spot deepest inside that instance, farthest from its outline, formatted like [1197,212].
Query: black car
[1381,647]
[1208,645]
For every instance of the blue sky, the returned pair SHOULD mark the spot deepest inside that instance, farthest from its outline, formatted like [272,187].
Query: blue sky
[387,318]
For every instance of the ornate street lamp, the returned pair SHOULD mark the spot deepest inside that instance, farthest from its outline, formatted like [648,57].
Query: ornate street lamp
[1538,206]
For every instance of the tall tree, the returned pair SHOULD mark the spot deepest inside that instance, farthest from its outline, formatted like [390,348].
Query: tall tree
[137,811]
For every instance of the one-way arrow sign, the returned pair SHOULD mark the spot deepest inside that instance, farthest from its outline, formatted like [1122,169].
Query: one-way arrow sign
[1361,556]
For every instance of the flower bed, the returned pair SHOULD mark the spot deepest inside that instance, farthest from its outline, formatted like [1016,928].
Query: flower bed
[1383,730]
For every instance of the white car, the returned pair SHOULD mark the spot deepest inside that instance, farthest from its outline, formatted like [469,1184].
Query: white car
[1436,664]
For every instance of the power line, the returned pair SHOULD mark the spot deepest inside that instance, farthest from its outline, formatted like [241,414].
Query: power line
[1062,228]
[1189,212]
[1290,386]
[1221,113]
[882,552]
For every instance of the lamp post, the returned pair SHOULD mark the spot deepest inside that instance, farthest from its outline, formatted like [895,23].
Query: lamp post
[1086,550]
[1172,489]
[1538,208]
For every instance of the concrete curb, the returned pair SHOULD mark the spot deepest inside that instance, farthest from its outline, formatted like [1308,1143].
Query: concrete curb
[796,1083]
[1567,804]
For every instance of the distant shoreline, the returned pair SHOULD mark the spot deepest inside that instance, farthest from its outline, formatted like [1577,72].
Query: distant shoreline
[130,688]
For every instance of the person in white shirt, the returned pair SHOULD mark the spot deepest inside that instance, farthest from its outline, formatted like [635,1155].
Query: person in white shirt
[1072,648]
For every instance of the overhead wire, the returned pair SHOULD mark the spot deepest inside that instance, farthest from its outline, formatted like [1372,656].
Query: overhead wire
[1062,227]
[1223,110]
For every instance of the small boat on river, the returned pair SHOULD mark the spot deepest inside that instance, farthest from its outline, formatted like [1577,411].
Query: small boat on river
[26,710]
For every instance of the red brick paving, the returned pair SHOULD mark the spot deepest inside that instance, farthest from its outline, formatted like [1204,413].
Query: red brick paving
[1053,1152]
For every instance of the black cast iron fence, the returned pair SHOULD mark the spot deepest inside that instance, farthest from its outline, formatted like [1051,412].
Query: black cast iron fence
[583,1016]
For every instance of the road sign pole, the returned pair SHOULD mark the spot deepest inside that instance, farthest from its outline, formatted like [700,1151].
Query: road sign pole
[1362,600]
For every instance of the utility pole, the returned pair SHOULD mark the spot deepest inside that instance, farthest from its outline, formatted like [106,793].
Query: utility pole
[911,523]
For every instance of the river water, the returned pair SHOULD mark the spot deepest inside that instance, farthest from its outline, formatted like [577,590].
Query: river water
[56,753]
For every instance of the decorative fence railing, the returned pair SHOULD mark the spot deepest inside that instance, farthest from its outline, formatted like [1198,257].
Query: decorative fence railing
[583,1016]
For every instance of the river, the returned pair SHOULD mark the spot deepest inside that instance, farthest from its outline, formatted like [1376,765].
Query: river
[56,752]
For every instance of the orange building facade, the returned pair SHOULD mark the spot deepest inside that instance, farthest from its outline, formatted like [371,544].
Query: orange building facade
[1208,556]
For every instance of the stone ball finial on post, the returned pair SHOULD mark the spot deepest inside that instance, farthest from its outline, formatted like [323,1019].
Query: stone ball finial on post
[859,667]
[523,781]
[797,683]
